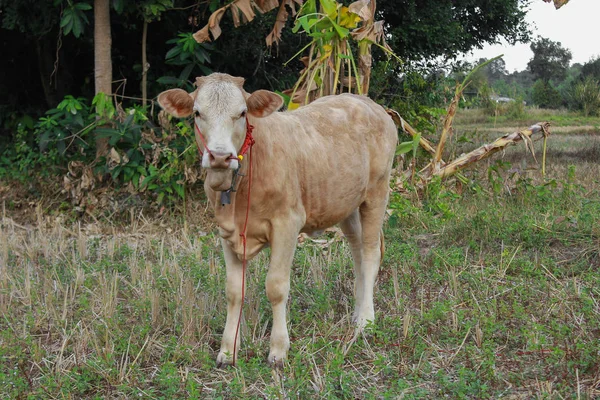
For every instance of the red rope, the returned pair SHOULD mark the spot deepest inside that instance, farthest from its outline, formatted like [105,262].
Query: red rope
[246,148]
[243,236]
[202,140]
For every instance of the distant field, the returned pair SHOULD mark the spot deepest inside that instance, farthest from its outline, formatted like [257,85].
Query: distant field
[491,293]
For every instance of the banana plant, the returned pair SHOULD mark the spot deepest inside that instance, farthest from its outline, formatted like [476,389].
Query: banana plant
[330,66]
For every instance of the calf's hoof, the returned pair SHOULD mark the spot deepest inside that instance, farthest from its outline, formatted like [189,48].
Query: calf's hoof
[224,360]
[362,320]
[275,361]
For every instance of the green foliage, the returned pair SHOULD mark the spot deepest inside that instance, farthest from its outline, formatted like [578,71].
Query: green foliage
[485,99]
[550,60]
[545,95]
[424,30]
[591,68]
[190,55]
[18,161]
[18,15]
[58,136]
[585,95]
[515,110]
[496,173]
[406,147]
[418,96]
[105,109]
[153,9]
[137,161]
[73,18]
[65,127]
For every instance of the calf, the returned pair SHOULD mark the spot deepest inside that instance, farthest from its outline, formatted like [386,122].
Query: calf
[323,164]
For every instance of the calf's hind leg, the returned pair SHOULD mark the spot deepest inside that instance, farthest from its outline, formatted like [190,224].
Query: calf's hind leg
[353,232]
[372,212]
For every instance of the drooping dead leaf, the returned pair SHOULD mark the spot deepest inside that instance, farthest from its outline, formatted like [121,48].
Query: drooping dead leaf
[275,35]
[282,15]
[202,35]
[213,25]
[243,11]
[361,8]
[266,5]
[305,60]
[245,8]
[558,3]
[373,33]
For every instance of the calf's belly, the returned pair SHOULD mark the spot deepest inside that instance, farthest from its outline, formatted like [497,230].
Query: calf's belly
[331,197]
[337,210]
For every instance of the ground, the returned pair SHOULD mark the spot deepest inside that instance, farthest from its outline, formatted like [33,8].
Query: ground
[490,289]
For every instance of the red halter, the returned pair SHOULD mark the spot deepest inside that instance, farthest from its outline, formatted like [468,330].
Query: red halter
[248,142]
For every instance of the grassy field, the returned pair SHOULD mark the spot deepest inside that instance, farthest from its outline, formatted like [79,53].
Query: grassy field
[490,293]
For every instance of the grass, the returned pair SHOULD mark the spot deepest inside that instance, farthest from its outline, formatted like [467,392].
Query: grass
[493,293]
[531,115]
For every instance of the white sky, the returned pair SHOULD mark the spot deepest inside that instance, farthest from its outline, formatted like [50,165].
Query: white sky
[576,26]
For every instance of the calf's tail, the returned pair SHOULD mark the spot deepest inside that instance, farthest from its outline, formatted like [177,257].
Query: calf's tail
[381,244]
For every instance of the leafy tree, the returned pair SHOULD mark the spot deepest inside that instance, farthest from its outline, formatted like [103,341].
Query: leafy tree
[426,29]
[550,60]
[102,59]
[544,95]
[496,69]
[591,69]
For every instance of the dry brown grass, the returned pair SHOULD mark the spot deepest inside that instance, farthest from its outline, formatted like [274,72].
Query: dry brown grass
[499,298]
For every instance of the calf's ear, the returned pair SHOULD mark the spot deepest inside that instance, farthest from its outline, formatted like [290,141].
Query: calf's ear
[177,102]
[263,103]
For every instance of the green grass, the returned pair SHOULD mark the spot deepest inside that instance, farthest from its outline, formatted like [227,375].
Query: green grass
[494,293]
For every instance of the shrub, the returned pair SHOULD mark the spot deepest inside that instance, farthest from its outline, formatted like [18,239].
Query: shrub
[586,96]
[142,158]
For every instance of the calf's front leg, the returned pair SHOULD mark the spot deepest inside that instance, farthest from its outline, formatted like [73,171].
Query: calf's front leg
[283,245]
[233,292]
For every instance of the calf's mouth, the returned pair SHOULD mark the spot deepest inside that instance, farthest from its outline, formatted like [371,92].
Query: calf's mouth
[219,179]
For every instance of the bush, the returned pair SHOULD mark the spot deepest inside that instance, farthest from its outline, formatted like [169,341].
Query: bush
[142,158]
[516,109]
[586,96]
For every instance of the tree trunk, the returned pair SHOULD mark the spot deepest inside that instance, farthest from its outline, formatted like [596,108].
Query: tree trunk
[145,65]
[365,59]
[102,59]
[44,67]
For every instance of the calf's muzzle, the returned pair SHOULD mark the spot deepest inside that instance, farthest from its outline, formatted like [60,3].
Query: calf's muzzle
[220,160]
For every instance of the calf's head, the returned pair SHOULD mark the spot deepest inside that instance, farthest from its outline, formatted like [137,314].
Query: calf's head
[220,107]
